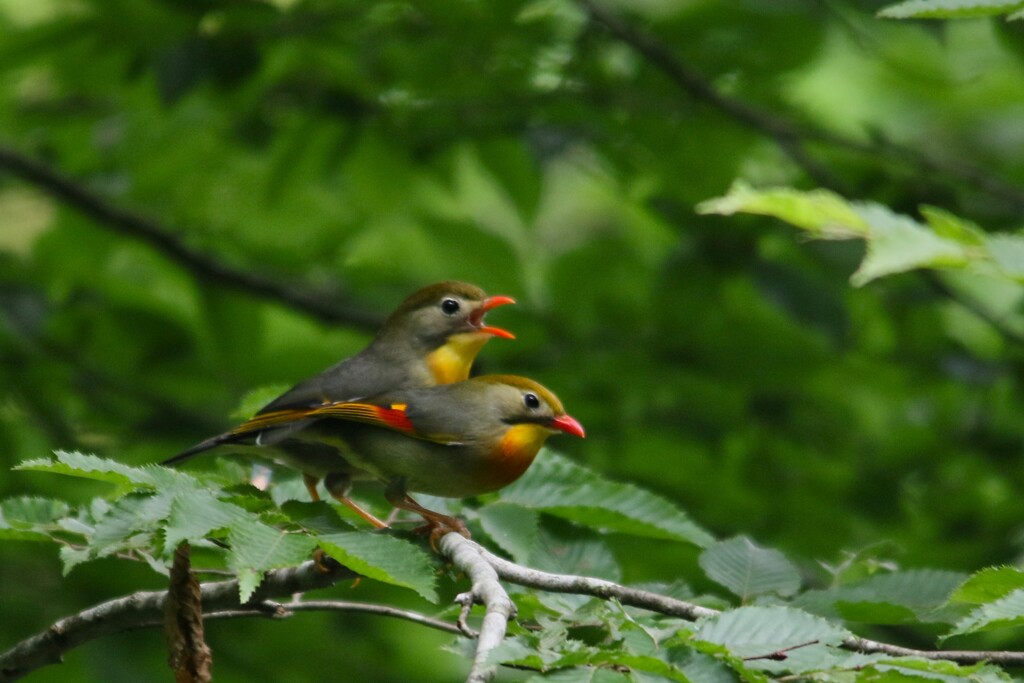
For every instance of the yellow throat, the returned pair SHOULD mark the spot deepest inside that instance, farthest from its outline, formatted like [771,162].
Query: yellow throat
[451,362]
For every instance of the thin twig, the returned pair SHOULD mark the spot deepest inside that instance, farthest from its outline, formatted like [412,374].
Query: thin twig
[72,193]
[268,609]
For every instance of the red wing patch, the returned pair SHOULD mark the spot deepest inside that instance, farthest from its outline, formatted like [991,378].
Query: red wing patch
[392,417]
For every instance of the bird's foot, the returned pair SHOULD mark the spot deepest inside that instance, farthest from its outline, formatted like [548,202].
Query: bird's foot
[436,528]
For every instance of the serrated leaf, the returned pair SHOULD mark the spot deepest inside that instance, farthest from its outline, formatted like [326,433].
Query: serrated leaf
[893,598]
[988,585]
[258,547]
[562,549]
[560,487]
[383,558]
[29,518]
[126,517]
[899,669]
[747,569]
[76,464]
[1005,612]
[512,527]
[248,581]
[754,632]
[948,9]
[317,518]
[194,514]
[72,557]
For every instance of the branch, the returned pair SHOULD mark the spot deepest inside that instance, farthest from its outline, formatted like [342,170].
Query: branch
[498,607]
[275,610]
[160,237]
[145,609]
[599,588]
[790,136]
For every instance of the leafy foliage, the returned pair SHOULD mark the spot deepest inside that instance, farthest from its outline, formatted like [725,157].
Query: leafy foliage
[725,370]
[949,9]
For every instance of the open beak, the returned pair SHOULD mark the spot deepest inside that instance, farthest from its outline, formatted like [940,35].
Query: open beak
[568,424]
[476,318]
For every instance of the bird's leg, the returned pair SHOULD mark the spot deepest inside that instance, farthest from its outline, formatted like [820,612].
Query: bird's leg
[338,485]
[437,523]
[310,481]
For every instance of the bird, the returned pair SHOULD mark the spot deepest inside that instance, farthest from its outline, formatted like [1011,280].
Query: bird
[431,338]
[454,440]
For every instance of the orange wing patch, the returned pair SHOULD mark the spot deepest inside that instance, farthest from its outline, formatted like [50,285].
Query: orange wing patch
[271,419]
[392,417]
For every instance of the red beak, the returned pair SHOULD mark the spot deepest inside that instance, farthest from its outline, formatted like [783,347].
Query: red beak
[476,318]
[569,425]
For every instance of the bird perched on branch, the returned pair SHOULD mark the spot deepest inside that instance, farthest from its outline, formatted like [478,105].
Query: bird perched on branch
[455,440]
[432,338]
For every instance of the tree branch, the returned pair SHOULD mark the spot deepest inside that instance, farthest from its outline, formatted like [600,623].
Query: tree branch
[160,237]
[599,588]
[144,609]
[788,135]
[498,607]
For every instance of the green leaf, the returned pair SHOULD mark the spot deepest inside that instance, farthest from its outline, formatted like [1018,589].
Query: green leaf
[78,464]
[72,557]
[258,547]
[950,226]
[899,669]
[126,517]
[1005,612]
[383,558]
[1008,253]
[558,486]
[248,581]
[563,549]
[821,212]
[195,513]
[948,9]
[892,598]
[898,244]
[988,585]
[27,518]
[512,527]
[755,632]
[748,569]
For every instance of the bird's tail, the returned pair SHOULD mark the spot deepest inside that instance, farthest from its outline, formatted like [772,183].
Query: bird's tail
[212,442]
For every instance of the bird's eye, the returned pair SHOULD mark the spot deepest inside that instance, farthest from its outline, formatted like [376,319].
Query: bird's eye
[531,401]
[450,306]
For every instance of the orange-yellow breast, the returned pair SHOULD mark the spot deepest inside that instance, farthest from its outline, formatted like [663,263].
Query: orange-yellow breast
[451,362]
[514,454]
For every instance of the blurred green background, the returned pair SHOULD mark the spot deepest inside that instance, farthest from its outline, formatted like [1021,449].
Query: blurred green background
[356,151]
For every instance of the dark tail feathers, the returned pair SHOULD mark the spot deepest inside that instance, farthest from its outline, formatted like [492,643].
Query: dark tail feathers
[212,442]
